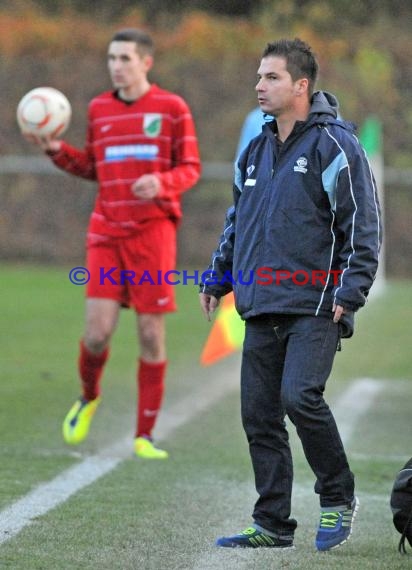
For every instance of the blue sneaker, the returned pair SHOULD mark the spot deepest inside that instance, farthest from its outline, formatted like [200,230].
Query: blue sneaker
[253,538]
[335,526]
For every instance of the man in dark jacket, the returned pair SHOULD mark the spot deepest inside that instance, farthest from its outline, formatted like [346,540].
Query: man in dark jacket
[300,250]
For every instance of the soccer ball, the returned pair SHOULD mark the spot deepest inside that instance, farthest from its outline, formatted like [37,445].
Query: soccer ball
[44,111]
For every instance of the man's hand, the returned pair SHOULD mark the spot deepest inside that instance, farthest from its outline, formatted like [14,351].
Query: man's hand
[146,187]
[339,311]
[209,304]
[46,142]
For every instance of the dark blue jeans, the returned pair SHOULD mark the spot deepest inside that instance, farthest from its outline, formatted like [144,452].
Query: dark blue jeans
[285,364]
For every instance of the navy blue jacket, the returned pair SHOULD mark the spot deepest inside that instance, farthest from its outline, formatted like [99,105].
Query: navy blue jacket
[304,231]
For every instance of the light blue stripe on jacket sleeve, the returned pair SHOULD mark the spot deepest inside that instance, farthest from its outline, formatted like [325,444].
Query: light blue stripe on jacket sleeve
[238,178]
[330,177]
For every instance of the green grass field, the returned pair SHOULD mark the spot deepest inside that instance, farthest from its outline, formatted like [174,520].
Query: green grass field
[166,516]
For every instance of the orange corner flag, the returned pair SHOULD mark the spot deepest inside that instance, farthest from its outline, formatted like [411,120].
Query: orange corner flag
[226,335]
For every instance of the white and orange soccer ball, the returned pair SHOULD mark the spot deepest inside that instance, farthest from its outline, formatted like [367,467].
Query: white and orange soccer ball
[44,111]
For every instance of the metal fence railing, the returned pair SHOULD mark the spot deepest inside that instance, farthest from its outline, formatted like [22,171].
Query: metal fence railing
[17,164]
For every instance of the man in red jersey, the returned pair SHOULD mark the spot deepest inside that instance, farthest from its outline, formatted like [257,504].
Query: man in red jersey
[142,149]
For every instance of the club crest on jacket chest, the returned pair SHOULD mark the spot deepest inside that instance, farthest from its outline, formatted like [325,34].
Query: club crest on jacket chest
[301,165]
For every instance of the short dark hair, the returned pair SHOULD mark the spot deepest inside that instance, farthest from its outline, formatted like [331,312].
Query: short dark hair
[300,60]
[142,39]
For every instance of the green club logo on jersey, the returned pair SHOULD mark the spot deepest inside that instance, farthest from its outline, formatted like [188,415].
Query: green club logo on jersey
[152,124]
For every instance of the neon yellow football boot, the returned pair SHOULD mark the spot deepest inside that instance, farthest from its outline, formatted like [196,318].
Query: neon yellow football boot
[144,448]
[77,422]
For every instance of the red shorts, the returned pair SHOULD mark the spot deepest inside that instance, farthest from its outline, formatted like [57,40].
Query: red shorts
[132,271]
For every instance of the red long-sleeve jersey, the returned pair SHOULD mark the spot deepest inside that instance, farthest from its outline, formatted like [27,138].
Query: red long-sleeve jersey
[152,135]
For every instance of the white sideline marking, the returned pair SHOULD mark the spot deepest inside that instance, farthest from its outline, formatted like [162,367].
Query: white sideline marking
[347,410]
[47,496]
[354,403]
[350,407]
